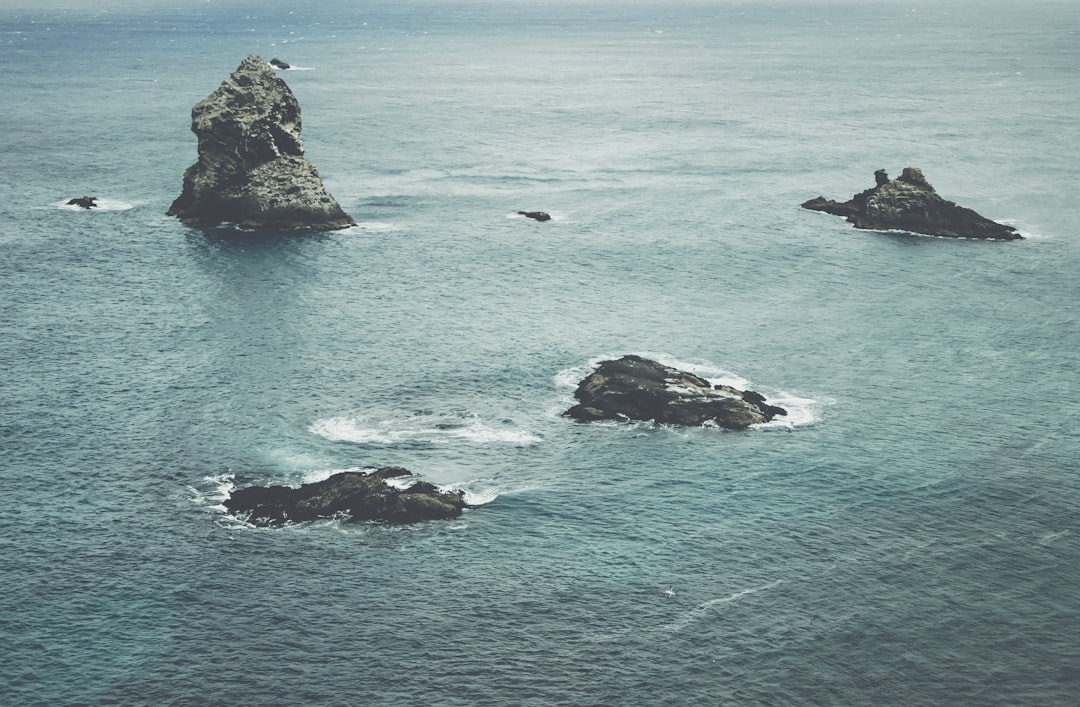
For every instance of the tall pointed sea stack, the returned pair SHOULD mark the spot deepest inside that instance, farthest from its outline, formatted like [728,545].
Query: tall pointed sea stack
[251,169]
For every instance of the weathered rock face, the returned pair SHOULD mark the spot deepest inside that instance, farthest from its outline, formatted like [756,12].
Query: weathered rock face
[251,169]
[909,203]
[357,495]
[638,388]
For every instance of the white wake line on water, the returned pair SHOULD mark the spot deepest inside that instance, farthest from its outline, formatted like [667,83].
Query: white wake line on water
[700,610]
[359,430]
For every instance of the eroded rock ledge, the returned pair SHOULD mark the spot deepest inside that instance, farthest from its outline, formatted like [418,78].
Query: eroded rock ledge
[251,169]
[909,203]
[638,388]
[358,496]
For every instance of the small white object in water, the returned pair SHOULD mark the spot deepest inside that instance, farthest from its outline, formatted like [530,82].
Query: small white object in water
[670,593]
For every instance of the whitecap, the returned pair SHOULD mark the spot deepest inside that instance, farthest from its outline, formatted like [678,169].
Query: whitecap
[216,489]
[801,411]
[422,427]
[1049,538]
[480,498]
[316,475]
[373,227]
[1025,229]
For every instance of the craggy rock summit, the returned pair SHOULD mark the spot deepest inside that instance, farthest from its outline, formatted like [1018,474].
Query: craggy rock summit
[358,495]
[638,388]
[251,169]
[909,203]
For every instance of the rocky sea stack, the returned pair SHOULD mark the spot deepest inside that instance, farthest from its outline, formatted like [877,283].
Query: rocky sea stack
[251,170]
[909,203]
[358,496]
[638,388]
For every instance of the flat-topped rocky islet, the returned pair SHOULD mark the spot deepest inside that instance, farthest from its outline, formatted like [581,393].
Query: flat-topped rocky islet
[636,388]
[251,170]
[909,203]
[353,495]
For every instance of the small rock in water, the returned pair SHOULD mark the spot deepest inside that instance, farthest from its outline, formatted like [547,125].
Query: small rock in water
[85,202]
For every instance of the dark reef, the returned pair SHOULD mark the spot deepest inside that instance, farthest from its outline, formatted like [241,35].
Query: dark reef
[355,495]
[638,388]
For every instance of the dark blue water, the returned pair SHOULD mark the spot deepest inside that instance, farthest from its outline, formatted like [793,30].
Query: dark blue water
[908,536]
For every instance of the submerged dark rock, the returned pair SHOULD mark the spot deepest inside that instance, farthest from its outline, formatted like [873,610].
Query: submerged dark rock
[356,495]
[909,203]
[85,202]
[538,215]
[251,169]
[638,388]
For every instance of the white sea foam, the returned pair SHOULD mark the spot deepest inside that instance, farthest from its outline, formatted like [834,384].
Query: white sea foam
[373,227]
[480,498]
[316,475]
[215,490]
[420,428]
[801,411]
[1025,229]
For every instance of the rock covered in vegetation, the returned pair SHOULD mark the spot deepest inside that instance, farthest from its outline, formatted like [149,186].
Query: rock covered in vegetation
[356,495]
[909,203]
[251,169]
[638,388]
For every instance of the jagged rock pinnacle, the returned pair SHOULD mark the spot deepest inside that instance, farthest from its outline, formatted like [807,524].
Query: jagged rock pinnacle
[251,169]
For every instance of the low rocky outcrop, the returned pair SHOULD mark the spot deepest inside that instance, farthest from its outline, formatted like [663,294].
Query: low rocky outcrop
[909,203]
[251,170]
[356,495]
[538,215]
[279,64]
[84,202]
[637,388]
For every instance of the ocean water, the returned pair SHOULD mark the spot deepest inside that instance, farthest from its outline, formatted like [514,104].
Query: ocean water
[910,535]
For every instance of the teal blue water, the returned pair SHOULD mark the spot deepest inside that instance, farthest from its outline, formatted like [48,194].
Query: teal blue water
[909,536]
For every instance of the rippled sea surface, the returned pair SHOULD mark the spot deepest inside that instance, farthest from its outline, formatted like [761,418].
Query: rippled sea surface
[909,535]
